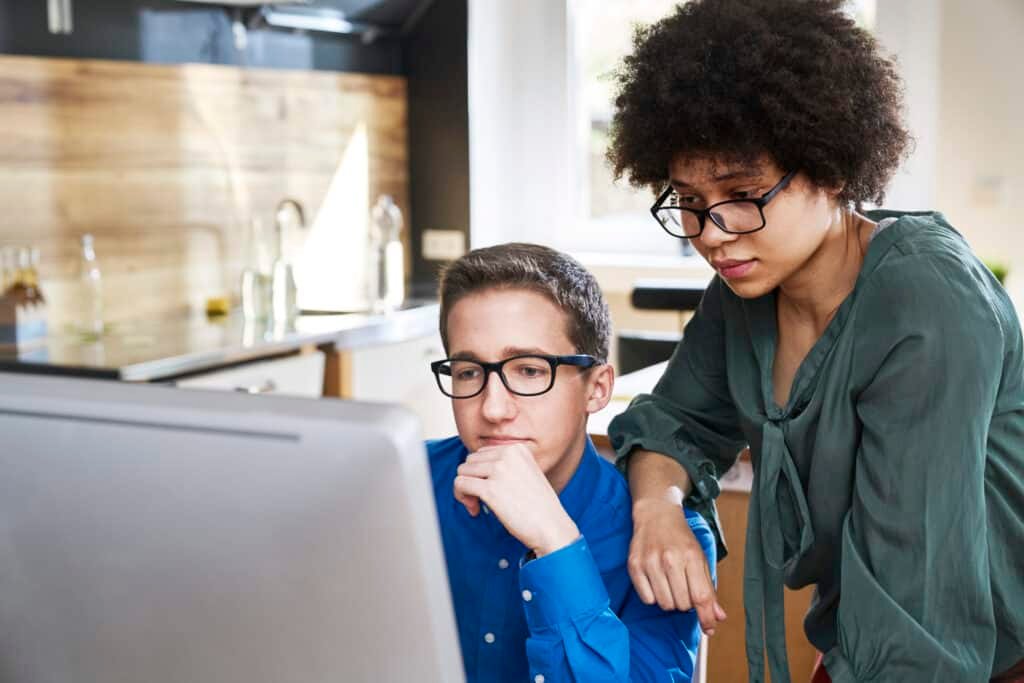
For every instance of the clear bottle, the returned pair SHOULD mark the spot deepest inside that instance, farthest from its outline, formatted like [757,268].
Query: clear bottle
[8,270]
[257,274]
[89,303]
[387,259]
[29,257]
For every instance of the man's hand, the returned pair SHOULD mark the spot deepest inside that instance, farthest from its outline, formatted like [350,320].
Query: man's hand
[508,480]
[667,563]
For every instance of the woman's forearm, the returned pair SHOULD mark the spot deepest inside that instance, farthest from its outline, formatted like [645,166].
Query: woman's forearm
[655,476]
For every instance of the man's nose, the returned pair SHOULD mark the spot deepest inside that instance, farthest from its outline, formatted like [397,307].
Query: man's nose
[499,403]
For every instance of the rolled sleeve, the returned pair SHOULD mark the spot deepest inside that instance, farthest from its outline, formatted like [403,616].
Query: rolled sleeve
[690,416]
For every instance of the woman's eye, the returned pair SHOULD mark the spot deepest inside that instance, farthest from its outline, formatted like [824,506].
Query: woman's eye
[743,194]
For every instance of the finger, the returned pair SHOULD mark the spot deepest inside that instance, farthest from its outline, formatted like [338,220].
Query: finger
[702,594]
[677,581]
[659,583]
[478,470]
[720,612]
[639,577]
[485,454]
[468,491]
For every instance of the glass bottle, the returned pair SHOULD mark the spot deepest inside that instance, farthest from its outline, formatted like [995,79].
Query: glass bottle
[8,270]
[89,303]
[386,267]
[257,274]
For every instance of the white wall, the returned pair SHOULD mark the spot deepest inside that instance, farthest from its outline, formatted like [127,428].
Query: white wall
[911,30]
[521,123]
[980,166]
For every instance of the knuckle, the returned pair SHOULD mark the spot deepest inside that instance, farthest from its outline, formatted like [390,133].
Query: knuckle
[669,558]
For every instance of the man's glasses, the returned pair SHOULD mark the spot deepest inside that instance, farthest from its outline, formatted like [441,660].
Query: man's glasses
[527,375]
[736,216]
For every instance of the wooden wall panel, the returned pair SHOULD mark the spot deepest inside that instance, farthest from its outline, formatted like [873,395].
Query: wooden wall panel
[166,165]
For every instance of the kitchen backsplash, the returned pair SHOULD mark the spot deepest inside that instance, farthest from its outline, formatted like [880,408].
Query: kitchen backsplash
[167,165]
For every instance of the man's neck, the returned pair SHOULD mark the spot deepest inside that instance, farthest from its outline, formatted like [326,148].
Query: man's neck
[562,473]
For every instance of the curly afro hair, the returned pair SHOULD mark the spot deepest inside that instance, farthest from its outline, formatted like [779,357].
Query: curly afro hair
[734,80]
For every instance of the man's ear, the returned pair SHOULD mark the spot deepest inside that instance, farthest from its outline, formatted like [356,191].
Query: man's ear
[599,387]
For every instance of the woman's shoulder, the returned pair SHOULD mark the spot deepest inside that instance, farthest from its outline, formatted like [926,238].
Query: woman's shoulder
[921,276]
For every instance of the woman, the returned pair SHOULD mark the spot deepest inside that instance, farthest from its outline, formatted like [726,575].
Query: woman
[870,361]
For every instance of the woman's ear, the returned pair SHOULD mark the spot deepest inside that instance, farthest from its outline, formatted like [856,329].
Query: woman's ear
[599,387]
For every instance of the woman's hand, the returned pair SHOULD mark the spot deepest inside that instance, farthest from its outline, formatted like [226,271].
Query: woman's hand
[668,565]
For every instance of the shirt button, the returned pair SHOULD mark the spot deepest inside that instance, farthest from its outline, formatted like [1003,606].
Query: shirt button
[488,638]
[503,563]
[486,509]
[539,678]
[527,595]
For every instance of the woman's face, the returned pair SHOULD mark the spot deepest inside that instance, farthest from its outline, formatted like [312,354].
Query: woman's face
[797,221]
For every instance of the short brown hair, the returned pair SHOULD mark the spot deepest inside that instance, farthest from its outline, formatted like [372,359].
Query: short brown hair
[552,274]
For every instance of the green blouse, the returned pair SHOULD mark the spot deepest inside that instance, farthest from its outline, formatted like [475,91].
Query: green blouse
[893,479]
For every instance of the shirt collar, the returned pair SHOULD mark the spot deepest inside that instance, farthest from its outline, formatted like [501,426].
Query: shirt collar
[579,492]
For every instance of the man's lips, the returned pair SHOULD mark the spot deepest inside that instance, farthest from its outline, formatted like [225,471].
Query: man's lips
[501,440]
[733,268]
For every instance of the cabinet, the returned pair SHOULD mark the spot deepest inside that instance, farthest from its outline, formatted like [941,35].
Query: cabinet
[400,373]
[299,375]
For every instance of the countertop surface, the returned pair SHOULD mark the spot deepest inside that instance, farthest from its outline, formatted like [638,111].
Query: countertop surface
[154,350]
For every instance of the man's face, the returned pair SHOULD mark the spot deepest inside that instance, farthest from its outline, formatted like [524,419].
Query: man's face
[495,324]
[797,221]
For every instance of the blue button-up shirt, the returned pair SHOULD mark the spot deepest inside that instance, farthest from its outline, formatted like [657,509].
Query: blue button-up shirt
[572,615]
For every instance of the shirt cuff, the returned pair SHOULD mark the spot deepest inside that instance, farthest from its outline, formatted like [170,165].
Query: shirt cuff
[561,585]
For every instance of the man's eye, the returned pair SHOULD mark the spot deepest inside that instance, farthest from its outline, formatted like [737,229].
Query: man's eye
[467,374]
[531,371]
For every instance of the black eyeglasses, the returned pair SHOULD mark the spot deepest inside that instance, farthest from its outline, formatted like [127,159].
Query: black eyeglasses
[527,375]
[735,216]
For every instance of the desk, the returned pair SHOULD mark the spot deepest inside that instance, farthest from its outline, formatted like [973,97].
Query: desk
[727,659]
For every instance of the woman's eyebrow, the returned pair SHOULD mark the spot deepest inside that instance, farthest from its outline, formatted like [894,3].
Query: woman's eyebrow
[742,174]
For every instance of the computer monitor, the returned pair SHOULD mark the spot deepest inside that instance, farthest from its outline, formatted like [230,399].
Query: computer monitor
[182,536]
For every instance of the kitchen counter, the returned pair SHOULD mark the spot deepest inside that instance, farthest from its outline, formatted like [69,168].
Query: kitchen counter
[147,351]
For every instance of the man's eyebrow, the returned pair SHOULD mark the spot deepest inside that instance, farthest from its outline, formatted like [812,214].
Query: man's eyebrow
[510,351]
[507,352]
[740,174]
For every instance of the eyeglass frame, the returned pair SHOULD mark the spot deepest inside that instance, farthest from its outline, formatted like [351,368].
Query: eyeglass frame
[703,214]
[579,360]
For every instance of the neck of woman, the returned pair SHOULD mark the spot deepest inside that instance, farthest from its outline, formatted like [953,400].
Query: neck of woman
[816,291]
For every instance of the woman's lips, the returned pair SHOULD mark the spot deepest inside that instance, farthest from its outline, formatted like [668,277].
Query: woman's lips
[731,269]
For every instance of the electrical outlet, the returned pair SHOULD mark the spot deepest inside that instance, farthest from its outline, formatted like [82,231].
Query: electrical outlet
[443,245]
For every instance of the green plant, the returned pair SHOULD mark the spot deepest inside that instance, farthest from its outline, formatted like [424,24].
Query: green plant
[998,269]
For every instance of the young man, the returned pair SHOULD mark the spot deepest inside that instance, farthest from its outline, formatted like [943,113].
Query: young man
[536,525]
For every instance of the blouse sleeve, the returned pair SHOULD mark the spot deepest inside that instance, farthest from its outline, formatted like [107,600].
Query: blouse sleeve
[915,593]
[690,415]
